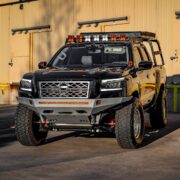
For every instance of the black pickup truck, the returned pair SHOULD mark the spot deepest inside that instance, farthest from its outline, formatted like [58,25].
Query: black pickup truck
[97,82]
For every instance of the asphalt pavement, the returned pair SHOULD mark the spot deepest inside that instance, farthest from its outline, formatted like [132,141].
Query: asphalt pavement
[75,155]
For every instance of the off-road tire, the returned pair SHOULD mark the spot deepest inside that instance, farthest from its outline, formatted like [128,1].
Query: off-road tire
[26,128]
[158,115]
[124,125]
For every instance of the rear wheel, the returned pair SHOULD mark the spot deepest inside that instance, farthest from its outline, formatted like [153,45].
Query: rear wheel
[28,127]
[129,127]
[158,115]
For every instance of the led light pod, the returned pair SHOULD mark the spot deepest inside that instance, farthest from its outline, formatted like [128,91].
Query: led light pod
[105,37]
[87,38]
[96,38]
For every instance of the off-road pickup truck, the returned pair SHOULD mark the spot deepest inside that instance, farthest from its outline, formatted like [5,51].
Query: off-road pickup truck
[97,82]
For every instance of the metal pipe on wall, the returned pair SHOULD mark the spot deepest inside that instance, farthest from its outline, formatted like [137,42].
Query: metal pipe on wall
[16,2]
[97,22]
[48,27]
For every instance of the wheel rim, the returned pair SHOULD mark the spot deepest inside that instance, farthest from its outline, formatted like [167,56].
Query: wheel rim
[137,124]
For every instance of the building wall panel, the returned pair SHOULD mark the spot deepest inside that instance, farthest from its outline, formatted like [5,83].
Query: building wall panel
[5,51]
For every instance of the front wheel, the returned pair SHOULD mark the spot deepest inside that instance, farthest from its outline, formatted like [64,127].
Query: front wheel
[27,127]
[129,125]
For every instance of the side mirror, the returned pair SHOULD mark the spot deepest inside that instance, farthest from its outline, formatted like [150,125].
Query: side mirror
[143,65]
[42,65]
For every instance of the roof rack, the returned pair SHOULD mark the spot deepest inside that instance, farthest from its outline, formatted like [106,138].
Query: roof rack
[129,34]
[88,37]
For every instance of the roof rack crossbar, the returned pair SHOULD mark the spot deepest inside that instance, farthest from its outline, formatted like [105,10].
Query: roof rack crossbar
[130,34]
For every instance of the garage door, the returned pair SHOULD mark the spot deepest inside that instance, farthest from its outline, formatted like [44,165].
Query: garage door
[19,63]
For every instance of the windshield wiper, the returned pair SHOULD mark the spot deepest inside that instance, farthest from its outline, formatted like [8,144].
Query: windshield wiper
[75,66]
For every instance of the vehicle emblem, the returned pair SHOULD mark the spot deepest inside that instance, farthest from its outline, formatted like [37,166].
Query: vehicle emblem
[63,87]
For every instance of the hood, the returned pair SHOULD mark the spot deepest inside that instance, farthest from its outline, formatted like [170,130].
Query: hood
[77,74]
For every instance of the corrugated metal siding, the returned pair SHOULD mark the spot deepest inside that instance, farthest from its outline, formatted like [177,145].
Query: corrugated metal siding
[4,50]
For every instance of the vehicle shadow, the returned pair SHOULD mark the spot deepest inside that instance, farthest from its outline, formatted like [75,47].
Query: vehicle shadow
[151,134]
[7,136]
[7,131]
[61,137]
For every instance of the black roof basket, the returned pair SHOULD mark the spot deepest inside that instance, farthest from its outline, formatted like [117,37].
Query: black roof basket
[129,34]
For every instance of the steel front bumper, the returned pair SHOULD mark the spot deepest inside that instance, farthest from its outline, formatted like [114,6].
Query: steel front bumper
[72,111]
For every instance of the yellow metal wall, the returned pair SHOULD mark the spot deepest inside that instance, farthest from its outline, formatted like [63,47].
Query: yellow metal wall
[146,15]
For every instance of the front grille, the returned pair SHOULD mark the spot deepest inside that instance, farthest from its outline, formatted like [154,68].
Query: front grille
[64,89]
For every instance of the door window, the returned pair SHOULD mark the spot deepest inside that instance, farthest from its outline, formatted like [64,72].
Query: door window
[137,56]
[144,54]
[148,48]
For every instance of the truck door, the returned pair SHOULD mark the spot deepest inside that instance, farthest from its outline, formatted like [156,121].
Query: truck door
[19,62]
[140,74]
[149,77]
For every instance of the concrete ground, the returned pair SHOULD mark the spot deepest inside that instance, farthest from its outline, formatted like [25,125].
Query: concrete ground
[72,155]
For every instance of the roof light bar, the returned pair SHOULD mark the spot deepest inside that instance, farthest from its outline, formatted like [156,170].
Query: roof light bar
[108,36]
[128,34]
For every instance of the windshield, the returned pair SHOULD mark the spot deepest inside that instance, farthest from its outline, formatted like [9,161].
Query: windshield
[92,55]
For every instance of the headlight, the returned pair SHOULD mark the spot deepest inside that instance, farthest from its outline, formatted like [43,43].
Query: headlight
[25,85]
[111,84]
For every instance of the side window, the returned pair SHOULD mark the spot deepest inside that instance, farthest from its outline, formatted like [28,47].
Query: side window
[148,48]
[137,56]
[144,54]
[158,57]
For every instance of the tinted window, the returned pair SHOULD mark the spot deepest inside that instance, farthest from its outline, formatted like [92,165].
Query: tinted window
[148,48]
[144,54]
[92,56]
[137,56]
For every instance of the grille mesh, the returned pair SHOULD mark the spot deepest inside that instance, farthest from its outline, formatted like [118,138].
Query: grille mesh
[64,89]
